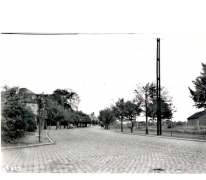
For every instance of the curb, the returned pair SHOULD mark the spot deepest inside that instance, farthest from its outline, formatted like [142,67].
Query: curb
[49,137]
[32,145]
[167,137]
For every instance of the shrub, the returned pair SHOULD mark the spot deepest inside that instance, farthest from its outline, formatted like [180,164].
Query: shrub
[16,117]
[12,129]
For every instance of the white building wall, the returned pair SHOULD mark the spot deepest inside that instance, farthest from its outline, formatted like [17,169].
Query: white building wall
[34,107]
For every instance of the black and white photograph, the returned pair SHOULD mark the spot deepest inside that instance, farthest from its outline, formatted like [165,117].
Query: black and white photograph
[103,87]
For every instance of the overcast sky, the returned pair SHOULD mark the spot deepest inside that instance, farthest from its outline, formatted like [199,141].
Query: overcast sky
[104,67]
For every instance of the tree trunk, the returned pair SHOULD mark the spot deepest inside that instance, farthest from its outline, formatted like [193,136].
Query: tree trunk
[64,125]
[158,127]
[132,127]
[57,124]
[60,124]
[45,124]
[121,124]
[49,125]
[146,125]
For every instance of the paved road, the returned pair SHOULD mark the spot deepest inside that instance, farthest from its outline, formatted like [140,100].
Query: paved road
[95,150]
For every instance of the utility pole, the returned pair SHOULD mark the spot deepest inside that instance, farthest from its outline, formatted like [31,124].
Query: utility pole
[39,124]
[41,103]
[146,108]
[159,123]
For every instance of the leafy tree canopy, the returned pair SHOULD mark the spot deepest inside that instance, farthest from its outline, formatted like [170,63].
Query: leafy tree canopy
[106,116]
[119,110]
[66,98]
[132,110]
[199,94]
[146,96]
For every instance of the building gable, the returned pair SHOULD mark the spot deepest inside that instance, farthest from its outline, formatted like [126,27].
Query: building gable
[197,115]
[27,96]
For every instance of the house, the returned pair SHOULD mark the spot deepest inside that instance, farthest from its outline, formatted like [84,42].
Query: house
[29,99]
[197,119]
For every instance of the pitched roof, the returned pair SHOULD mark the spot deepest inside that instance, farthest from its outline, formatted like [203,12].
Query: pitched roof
[197,115]
[26,91]
[27,96]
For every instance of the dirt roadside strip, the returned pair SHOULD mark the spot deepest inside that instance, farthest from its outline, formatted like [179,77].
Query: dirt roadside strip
[31,145]
[162,136]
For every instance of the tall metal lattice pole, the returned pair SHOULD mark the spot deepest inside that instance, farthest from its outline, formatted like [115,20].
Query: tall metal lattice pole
[159,126]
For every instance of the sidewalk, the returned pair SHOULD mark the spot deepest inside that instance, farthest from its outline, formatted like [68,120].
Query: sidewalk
[29,140]
[152,133]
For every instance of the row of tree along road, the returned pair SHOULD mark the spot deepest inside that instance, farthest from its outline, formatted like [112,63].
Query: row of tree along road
[59,109]
[144,101]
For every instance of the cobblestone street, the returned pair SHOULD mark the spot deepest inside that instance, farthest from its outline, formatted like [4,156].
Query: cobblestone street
[96,150]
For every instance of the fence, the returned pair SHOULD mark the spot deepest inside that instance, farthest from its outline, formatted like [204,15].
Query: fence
[176,130]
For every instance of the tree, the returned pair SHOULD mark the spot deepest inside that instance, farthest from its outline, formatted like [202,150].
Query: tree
[131,111]
[58,111]
[199,94]
[59,115]
[66,119]
[75,118]
[146,96]
[167,109]
[50,107]
[106,116]
[67,98]
[29,117]
[86,120]
[119,111]
[54,112]
[16,117]
[83,118]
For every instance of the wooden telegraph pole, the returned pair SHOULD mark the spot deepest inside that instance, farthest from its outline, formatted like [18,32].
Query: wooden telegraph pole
[41,103]
[159,124]
[39,125]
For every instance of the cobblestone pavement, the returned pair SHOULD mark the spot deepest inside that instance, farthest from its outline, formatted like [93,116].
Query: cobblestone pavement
[95,150]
